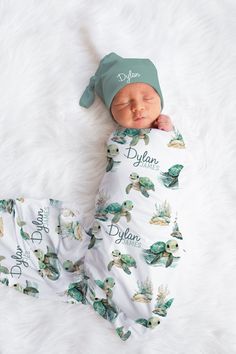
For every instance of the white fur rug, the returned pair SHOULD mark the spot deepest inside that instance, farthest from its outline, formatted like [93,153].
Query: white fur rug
[51,147]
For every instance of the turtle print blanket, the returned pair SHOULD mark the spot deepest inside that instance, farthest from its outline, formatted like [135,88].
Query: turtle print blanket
[123,264]
[136,239]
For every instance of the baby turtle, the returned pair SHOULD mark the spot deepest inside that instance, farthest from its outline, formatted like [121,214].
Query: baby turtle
[170,178]
[71,267]
[120,331]
[119,210]
[161,249]
[104,309]
[3,269]
[6,205]
[106,285]
[77,291]
[142,184]
[92,232]
[151,322]
[137,134]
[112,151]
[124,261]
[47,263]
[30,289]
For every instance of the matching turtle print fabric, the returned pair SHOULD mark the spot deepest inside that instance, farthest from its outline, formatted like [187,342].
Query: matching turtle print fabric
[137,240]
[124,263]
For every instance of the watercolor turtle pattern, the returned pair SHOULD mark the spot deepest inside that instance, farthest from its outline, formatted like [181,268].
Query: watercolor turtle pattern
[161,252]
[112,152]
[71,267]
[48,264]
[6,205]
[117,210]
[123,335]
[142,184]
[151,322]
[104,309]
[106,285]
[123,261]
[3,269]
[119,136]
[77,291]
[31,288]
[170,178]
[93,232]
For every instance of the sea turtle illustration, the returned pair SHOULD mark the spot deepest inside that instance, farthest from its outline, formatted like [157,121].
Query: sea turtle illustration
[4,281]
[112,152]
[3,269]
[92,232]
[120,331]
[117,210]
[170,178]
[71,267]
[124,261]
[69,229]
[30,289]
[78,291]
[48,264]
[142,184]
[106,285]
[106,310]
[137,134]
[161,249]
[161,309]
[6,205]
[151,322]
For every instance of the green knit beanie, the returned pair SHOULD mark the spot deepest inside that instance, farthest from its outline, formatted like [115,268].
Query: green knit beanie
[115,72]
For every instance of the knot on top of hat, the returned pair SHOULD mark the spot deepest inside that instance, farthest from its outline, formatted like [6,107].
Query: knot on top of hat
[88,97]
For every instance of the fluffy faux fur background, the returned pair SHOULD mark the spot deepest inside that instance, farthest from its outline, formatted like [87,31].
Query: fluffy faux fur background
[51,147]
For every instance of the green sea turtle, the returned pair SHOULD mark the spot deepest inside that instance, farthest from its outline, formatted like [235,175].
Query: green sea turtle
[78,291]
[6,205]
[92,232]
[117,210]
[48,264]
[112,152]
[161,249]
[137,134]
[71,267]
[170,178]
[120,331]
[4,281]
[151,322]
[124,261]
[106,285]
[104,309]
[30,289]
[3,269]
[142,184]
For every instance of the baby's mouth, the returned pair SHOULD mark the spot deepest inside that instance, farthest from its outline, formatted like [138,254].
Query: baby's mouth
[138,118]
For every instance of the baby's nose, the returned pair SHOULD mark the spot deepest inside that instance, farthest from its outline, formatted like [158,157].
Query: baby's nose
[136,107]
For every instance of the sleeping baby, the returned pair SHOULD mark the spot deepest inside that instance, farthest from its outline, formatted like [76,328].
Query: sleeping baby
[122,263]
[135,239]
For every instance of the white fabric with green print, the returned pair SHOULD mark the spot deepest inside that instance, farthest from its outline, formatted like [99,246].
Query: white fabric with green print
[137,240]
[124,263]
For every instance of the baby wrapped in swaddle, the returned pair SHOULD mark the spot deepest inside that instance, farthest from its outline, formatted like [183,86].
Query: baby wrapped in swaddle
[136,240]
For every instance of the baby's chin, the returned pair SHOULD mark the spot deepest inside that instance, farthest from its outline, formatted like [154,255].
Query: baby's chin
[140,124]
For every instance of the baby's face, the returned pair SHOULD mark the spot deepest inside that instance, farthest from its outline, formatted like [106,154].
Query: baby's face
[136,105]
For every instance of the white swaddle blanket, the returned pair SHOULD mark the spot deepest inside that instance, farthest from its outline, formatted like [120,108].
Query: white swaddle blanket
[123,264]
[136,240]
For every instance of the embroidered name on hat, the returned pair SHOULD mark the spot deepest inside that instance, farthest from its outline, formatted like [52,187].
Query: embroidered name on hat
[122,76]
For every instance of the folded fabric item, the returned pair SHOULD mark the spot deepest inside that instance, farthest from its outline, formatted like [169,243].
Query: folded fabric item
[136,235]
[42,248]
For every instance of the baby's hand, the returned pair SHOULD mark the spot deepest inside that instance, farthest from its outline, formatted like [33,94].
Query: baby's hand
[163,122]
